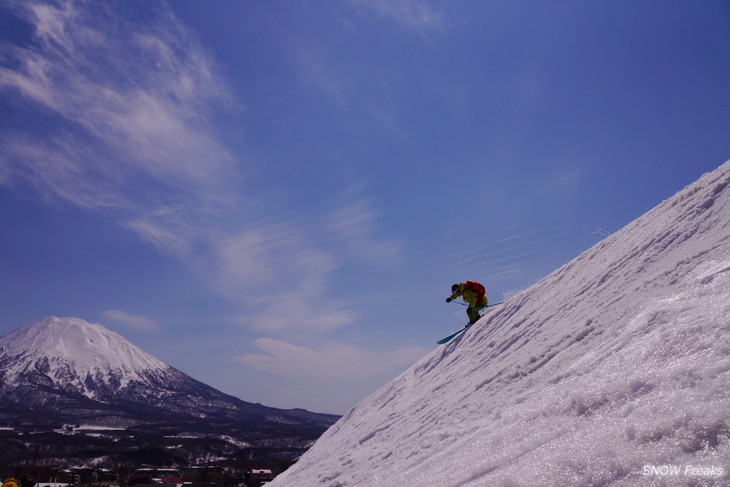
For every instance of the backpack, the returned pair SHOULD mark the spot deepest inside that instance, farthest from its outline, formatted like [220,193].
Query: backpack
[475,287]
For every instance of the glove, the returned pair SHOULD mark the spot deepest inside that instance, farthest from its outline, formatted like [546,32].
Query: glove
[448,300]
[469,310]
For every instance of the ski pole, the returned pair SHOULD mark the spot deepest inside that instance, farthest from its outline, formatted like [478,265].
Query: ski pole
[487,306]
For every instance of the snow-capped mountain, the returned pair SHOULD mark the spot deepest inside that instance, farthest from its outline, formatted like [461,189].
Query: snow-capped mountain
[67,364]
[60,371]
[612,371]
[76,356]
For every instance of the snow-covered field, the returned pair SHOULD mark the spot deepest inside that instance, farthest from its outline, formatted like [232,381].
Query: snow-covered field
[614,370]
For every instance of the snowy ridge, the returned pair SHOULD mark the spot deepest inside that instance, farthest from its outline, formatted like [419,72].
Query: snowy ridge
[615,364]
[70,350]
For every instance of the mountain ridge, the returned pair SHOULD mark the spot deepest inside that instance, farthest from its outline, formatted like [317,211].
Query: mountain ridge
[66,371]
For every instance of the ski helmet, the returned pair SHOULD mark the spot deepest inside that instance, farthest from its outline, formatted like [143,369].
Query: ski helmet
[455,288]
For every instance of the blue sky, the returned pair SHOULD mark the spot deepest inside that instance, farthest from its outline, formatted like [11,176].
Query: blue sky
[275,197]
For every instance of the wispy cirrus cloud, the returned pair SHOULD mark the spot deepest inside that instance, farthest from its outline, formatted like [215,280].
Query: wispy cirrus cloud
[285,271]
[353,86]
[119,101]
[137,322]
[330,360]
[278,270]
[124,122]
[416,14]
[354,227]
[57,168]
[565,181]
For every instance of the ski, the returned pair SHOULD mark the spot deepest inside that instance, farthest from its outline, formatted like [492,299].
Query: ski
[448,338]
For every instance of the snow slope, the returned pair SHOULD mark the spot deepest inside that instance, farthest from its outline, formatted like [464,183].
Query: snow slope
[613,370]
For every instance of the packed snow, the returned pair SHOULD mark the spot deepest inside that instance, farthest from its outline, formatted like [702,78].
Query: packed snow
[613,370]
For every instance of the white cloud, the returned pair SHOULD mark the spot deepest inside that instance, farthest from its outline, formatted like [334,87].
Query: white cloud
[298,313]
[276,269]
[129,101]
[128,127]
[137,322]
[564,181]
[330,361]
[354,225]
[57,168]
[271,258]
[168,235]
[416,14]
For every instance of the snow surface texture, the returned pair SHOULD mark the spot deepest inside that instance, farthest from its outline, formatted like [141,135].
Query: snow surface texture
[75,349]
[613,370]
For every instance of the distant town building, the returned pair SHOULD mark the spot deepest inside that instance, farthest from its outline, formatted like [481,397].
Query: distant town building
[256,477]
[204,477]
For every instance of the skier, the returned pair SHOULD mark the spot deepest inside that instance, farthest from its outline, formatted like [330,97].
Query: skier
[474,294]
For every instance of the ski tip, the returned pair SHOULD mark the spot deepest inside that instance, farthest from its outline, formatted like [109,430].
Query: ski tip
[448,338]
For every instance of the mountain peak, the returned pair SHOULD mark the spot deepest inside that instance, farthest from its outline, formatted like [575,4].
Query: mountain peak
[74,348]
